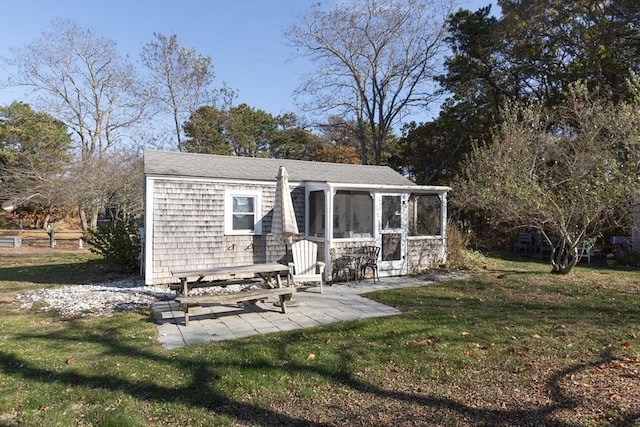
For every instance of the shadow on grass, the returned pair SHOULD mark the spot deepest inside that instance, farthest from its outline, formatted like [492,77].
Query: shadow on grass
[202,389]
[597,263]
[71,273]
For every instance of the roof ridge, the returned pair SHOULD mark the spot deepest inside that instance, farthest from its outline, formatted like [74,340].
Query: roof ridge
[214,166]
[269,159]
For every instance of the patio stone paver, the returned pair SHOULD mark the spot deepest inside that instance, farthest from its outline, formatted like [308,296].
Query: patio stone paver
[338,303]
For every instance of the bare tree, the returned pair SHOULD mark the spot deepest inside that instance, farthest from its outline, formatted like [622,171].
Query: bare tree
[181,79]
[376,59]
[84,82]
[113,180]
[570,172]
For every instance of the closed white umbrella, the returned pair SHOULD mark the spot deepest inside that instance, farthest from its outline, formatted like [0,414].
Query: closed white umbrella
[284,225]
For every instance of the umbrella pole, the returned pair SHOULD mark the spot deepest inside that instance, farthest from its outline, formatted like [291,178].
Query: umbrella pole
[287,254]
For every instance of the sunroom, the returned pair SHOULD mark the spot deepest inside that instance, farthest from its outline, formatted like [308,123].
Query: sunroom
[407,223]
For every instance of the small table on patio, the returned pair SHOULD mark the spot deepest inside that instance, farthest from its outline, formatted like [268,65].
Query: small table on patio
[356,259]
[267,272]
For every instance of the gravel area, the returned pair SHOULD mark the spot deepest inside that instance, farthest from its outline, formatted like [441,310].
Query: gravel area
[99,299]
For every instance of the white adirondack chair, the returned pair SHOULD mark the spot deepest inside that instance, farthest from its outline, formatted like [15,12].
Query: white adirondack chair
[305,267]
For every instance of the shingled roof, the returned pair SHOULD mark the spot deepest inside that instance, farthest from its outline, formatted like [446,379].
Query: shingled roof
[259,169]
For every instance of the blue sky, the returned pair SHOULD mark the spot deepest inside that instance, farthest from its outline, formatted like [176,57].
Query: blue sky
[243,37]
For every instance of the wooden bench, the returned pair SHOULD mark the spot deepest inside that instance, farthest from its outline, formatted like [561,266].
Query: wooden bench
[10,241]
[187,302]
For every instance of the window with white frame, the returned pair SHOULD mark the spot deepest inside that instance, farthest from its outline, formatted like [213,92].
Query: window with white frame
[242,212]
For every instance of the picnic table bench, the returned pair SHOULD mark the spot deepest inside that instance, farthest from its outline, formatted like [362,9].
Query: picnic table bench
[235,274]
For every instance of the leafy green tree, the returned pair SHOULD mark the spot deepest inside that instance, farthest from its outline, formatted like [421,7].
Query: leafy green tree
[431,152]
[475,77]
[242,131]
[246,131]
[249,131]
[551,44]
[571,171]
[291,140]
[29,138]
[34,158]
[534,52]
[205,132]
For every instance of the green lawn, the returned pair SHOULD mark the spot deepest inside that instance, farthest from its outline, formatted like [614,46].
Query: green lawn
[511,345]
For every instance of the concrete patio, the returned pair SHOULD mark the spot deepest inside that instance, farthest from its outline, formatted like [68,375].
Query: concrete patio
[338,303]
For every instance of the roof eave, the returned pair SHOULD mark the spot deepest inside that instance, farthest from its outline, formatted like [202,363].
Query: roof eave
[390,187]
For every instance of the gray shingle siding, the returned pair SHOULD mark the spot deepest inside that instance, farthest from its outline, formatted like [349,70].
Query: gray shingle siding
[259,169]
[189,227]
[186,218]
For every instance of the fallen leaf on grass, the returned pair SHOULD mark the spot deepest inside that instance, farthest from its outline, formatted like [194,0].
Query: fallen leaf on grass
[311,356]
[394,368]
[71,360]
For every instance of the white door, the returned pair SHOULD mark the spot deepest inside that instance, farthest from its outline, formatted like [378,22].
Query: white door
[391,233]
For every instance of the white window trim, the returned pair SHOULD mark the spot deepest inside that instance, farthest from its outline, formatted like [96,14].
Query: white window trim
[228,212]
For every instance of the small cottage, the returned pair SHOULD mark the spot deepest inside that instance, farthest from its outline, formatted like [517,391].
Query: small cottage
[205,211]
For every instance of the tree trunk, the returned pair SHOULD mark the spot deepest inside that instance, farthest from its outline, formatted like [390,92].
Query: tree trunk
[89,216]
[83,218]
[94,217]
[563,258]
[51,230]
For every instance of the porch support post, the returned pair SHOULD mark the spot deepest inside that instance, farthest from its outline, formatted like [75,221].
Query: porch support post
[329,192]
[443,225]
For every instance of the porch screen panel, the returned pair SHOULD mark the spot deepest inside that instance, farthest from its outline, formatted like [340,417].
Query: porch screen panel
[391,246]
[352,214]
[424,215]
[316,213]
[391,218]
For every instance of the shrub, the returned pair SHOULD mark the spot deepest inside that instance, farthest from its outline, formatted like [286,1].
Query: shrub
[118,242]
[458,256]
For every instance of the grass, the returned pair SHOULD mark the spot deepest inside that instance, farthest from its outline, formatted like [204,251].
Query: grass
[509,345]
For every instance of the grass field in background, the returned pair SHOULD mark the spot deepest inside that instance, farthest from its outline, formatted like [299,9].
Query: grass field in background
[510,345]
